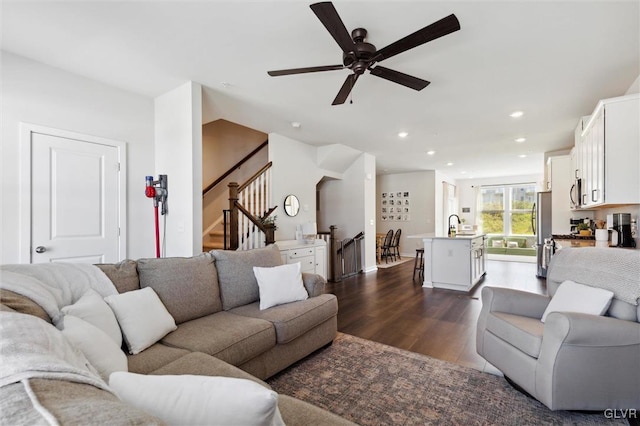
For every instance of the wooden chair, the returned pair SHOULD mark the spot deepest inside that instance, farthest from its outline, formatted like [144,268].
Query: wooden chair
[386,246]
[418,264]
[395,245]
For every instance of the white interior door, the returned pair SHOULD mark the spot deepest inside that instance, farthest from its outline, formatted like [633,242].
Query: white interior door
[75,198]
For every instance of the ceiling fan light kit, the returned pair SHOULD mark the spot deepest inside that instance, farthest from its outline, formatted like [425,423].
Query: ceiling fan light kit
[359,56]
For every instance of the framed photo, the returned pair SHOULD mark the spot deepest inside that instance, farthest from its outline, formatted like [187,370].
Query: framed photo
[399,194]
[384,210]
[384,195]
[405,194]
[391,195]
[384,202]
[385,217]
[406,202]
[406,217]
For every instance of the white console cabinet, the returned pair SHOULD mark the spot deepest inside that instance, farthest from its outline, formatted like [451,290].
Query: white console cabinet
[312,257]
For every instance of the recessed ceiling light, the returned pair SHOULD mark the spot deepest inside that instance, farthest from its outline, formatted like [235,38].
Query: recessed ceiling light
[516,114]
[522,155]
[225,84]
[431,152]
[403,134]
[449,163]
[295,124]
[520,140]
[463,172]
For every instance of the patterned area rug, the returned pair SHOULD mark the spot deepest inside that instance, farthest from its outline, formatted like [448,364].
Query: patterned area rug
[374,384]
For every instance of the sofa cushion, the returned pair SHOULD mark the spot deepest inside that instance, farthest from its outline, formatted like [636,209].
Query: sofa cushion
[142,317]
[521,242]
[154,357]
[522,332]
[92,308]
[298,412]
[22,304]
[280,284]
[205,365]
[496,243]
[293,319]
[232,338]
[238,285]
[69,403]
[187,286]
[197,400]
[123,275]
[99,348]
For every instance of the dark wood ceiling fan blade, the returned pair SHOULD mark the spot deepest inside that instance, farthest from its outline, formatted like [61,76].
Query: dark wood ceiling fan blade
[305,70]
[407,80]
[445,26]
[329,17]
[343,94]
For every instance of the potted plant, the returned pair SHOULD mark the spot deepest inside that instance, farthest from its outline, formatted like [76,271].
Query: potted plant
[584,229]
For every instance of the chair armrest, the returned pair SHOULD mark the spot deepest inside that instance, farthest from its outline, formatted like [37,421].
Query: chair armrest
[577,329]
[497,299]
[314,284]
[588,362]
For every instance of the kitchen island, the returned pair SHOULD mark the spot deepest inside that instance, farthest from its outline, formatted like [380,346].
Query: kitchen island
[455,263]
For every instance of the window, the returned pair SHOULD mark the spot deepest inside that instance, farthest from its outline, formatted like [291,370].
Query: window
[506,209]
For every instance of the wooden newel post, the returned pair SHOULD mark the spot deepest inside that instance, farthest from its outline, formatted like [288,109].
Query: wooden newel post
[233,216]
[336,272]
[269,233]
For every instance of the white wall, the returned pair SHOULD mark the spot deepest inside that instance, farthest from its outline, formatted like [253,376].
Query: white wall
[38,94]
[178,134]
[349,204]
[423,198]
[294,171]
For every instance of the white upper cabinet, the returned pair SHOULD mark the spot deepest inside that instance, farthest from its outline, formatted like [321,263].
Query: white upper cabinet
[607,153]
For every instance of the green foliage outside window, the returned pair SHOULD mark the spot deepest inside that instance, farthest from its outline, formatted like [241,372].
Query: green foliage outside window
[494,209]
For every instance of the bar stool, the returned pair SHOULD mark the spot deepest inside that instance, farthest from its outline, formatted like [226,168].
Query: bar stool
[418,264]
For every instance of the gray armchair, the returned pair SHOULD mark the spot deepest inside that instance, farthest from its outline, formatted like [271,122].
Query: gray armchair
[571,361]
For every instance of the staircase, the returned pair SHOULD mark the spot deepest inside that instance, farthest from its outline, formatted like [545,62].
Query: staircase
[247,223]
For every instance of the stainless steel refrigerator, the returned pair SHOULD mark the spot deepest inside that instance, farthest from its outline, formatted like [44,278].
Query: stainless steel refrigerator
[541,221]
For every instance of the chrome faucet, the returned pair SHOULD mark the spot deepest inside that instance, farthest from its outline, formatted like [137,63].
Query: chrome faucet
[449,223]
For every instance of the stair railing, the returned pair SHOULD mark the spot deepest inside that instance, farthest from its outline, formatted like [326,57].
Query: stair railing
[249,223]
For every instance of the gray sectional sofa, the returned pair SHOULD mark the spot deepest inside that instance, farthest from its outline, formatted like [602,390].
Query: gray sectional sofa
[221,331]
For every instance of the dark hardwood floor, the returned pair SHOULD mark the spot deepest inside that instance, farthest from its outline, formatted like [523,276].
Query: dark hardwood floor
[387,306]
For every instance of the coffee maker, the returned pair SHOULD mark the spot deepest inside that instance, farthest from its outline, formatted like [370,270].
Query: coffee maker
[621,224]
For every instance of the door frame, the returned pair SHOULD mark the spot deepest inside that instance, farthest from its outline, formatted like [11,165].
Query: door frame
[24,194]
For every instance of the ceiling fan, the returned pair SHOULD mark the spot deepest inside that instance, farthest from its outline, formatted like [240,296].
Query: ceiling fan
[359,56]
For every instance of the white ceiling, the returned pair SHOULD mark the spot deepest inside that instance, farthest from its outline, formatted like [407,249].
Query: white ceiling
[551,59]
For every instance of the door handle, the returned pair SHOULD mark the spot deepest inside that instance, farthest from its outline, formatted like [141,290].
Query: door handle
[41,249]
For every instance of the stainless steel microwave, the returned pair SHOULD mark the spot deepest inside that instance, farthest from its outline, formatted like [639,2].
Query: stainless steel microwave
[575,194]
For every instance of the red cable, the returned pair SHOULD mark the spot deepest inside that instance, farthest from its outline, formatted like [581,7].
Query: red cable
[155,211]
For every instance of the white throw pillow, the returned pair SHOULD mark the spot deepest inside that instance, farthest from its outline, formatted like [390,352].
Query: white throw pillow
[512,244]
[142,317]
[497,243]
[199,400]
[280,284]
[95,344]
[575,297]
[92,308]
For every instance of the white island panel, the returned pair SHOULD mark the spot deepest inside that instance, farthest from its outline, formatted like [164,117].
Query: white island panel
[455,263]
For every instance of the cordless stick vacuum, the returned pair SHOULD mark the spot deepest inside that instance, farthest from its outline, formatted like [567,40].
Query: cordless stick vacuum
[158,190]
